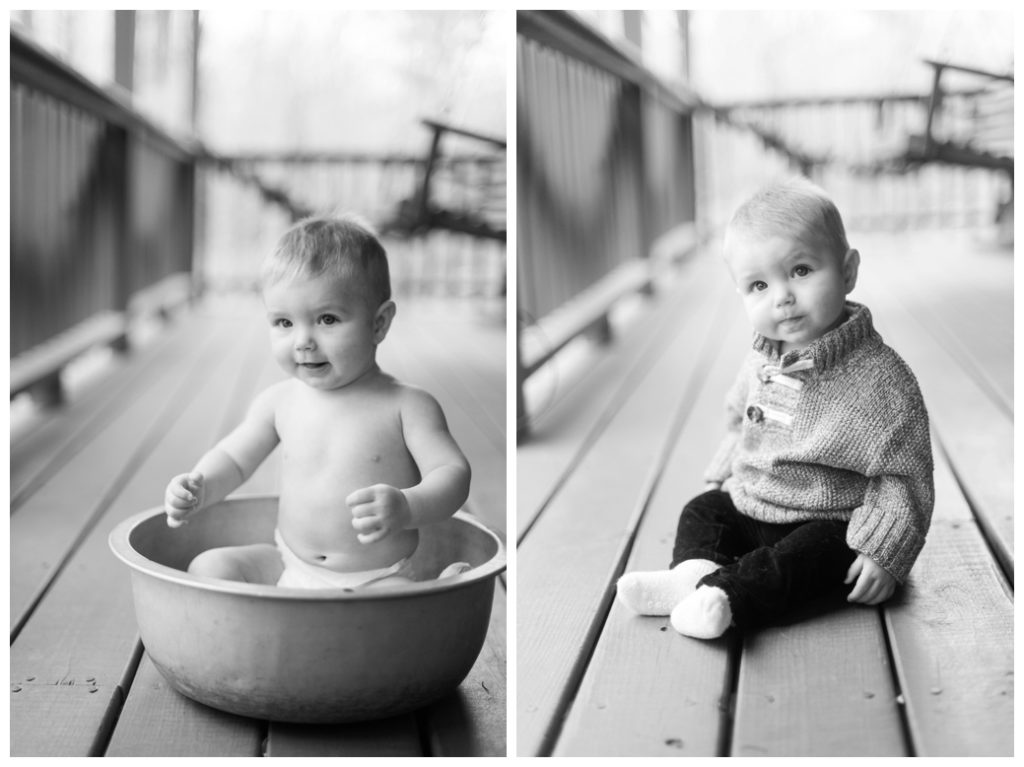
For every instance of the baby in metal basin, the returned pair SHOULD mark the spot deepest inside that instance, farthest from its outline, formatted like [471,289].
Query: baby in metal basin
[825,474]
[366,460]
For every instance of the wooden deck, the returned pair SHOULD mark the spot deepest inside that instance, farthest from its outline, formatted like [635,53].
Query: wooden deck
[81,683]
[619,445]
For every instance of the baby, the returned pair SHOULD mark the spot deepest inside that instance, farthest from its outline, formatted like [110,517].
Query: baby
[366,460]
[825,475]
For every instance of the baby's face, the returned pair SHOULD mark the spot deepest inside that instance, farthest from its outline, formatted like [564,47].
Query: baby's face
[322,330]
[792,292]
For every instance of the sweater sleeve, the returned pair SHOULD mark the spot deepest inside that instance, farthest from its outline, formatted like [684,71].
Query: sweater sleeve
[720,467]
[891,525]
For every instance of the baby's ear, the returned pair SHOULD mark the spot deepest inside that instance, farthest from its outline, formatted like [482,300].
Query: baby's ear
[851,263]
[382,320]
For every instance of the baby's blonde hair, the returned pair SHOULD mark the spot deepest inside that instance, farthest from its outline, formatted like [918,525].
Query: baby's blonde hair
[338,246]
[794,207]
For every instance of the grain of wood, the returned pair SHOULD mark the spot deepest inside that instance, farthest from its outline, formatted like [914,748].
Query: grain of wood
[681,682]
[567,561]
[819,686]
[397,737]
[54,516]
[952,638]
[560,435]
[85,626]
[157,721]
[51,439]
[975,433]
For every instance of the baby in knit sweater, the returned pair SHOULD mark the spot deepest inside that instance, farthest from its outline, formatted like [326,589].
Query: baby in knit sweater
[825,474]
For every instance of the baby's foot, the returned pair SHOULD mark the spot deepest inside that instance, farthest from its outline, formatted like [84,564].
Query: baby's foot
[705,614]
[656,592]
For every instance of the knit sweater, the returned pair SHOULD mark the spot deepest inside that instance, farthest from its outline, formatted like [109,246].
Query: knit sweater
[837,430]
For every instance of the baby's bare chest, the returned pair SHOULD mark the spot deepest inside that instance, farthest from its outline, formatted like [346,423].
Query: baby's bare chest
[360,435]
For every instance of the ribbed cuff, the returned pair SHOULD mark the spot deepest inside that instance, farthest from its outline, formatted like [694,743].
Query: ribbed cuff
[887,540]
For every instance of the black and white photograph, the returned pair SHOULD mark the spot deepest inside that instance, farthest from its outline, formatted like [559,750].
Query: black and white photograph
[511,383]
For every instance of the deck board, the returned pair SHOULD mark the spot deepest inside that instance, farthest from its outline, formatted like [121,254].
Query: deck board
[157,721]
[952,638]
[586,530]
[576,407]
[684,682]
[85,627]
[41,446]
[109,455]
[971,424]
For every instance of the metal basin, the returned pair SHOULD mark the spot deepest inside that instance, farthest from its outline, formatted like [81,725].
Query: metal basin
[299,655]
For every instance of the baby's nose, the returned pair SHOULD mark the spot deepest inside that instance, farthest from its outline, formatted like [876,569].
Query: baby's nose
[303,339]
[783,295]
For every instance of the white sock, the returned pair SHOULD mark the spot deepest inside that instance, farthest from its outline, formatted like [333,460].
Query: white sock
[705,614]
[656,592]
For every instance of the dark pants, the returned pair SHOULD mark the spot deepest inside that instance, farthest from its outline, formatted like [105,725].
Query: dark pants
[767,570]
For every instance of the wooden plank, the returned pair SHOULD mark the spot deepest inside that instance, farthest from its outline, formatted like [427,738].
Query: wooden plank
[158,721]
[974,432]
[34,703]
[649,691]
[952,638]
[50,522]
[559,437]
[585,529]
[394,737]
[473,721]
[968,305]
[44,443]
[85,626]
[816,686]
[183,727]
[479,430]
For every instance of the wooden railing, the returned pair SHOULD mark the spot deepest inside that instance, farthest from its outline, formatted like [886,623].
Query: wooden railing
[101,210]
[250,198]
[604,167]
[863,149]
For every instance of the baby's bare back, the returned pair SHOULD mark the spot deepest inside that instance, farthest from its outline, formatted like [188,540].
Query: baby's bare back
[334,443]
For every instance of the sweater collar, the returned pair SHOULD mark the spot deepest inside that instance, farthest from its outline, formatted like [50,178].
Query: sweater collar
[832,347]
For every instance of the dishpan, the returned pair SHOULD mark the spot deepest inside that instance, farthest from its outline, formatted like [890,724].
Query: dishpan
[299,655]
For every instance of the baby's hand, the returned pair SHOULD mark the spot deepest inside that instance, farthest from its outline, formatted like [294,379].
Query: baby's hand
[183,498]
[378,511]
[874,585]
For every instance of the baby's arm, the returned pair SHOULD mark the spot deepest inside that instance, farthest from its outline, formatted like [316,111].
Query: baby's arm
[227,465]
[735,404]
[380,510]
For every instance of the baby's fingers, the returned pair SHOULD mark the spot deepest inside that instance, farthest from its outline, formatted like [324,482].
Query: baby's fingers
[860,590]
[180,497]
[364,495]
[854,571]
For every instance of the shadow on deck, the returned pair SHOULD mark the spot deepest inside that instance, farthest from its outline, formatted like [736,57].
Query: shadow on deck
[81,683]
[619,442]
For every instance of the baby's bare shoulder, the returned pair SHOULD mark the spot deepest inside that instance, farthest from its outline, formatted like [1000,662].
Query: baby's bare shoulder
[268,401]
[418,406]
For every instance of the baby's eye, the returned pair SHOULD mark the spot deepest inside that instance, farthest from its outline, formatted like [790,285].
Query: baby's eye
[329,319]
[801,270]
[758,285]
[281,322]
